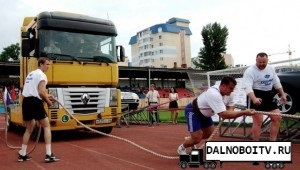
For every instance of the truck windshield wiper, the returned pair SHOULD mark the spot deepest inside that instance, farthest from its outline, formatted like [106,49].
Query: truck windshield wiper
[99,58]
[57,56]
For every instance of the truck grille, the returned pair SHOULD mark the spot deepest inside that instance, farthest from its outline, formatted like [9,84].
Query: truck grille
[129,101]
[74,103]
[53,114]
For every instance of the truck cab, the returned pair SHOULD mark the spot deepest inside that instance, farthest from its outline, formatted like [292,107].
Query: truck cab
[83,72]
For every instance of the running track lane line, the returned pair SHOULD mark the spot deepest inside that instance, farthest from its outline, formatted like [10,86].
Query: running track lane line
[109,156]
[38,165]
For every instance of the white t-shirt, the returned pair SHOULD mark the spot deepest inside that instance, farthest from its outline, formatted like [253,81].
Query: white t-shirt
[212,102]
[153,96]
[173,96]
[264,80]
[31,83]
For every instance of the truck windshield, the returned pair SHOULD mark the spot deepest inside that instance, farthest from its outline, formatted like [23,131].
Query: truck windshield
[77,46]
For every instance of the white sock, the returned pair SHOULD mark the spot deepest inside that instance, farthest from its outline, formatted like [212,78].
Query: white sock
[23,150]
[48,149]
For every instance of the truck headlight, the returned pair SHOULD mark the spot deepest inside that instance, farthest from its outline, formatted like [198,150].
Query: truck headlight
[53,92]
[113,98]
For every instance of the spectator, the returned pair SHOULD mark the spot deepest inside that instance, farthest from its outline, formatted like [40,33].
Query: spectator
[173,105]
[153,99]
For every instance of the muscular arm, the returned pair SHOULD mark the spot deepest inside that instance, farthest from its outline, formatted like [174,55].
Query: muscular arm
[42,92]
[230,114]
[280,91]
[282,95]
[231,108]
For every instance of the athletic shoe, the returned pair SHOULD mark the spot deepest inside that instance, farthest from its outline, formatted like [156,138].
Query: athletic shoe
[22,158]
[51,158]
[181,150]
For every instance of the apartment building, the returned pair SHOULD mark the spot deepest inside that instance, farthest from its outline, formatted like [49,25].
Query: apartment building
[164,45]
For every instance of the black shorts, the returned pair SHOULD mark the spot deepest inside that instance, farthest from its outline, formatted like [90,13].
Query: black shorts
[173,104]
[33,108]
[268,102]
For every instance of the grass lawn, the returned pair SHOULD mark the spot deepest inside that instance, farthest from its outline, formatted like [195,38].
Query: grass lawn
[165,116]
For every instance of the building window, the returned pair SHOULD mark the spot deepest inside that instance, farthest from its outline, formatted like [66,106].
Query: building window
[160,37]
[161,51]
[159,29]
[160,44]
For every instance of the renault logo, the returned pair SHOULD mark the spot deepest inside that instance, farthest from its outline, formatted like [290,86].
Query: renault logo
[85,98]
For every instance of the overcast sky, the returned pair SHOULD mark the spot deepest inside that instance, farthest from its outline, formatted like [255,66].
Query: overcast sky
[253,25]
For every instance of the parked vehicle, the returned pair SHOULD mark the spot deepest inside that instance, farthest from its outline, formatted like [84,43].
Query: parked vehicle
[131,99]
[291,85]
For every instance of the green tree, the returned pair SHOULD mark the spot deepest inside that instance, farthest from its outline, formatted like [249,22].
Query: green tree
[210,56]
[10,52]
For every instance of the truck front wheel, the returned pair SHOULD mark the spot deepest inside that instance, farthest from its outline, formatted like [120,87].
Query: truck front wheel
[106,130]
[183,164]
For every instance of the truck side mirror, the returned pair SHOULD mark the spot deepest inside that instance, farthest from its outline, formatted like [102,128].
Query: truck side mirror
[25,47]
[120,53]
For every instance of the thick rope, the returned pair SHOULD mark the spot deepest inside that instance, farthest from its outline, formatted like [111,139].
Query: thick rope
[278,114]
[116,137]
[6,131]
[15,147]
[212,134]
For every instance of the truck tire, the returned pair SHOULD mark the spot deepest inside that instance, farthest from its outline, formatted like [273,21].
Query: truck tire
[106,130]
[183,164]
[213,165]
[274,165]
[290,106]
[281,165]
[206,165]
[267,165]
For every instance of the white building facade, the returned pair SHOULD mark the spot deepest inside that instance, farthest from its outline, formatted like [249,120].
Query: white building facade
[163,45]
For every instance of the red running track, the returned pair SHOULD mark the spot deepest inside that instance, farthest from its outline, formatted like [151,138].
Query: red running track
[87,150]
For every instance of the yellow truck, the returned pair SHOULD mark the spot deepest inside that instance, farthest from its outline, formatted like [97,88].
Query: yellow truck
[83,74]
